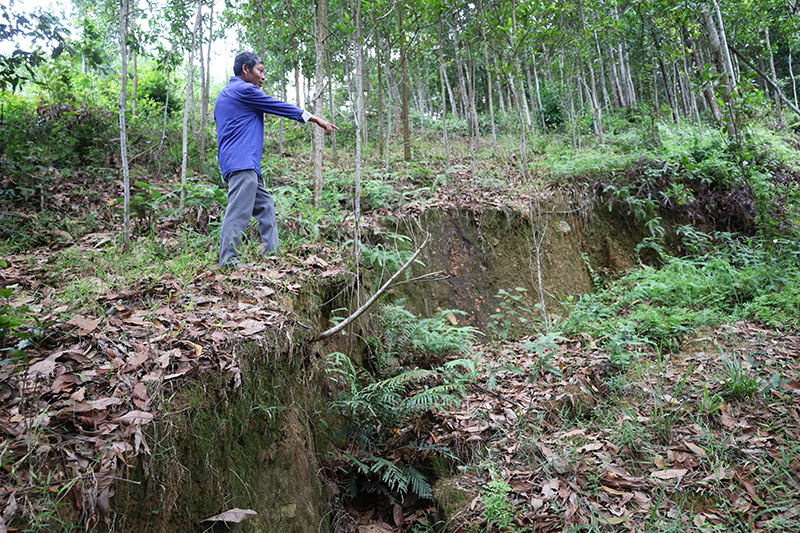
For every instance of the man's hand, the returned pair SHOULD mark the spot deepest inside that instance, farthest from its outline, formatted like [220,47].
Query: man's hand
[324,124]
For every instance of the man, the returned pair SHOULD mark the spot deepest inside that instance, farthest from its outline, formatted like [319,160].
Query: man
[239,113]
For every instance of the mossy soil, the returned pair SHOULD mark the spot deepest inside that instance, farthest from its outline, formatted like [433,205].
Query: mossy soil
[223,445]
[483,253]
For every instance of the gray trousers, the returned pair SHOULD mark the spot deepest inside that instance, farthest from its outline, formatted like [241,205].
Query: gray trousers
[247,198]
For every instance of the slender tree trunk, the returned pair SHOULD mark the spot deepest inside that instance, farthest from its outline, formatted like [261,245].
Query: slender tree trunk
[499,87]
[708,92]
[626,61]
[393,93]
[536,113]
[595,102]
[453,104]
[319,133]
[726,52]
[262,29]
[665,76]
[489,95]
[474,115]
[444,97]
[538,94]
[690,96]
[282,84]
[124,9]
[625,89]
[164,122]
[656,98]
[522,94]
[330,104]
[360,117]
[135,79]
[421,80]
[606,99]
[616,94]
[295,57]
[205,91]
[715,42]
[794,83]
[404,86]
[202,60]
[462,84]
[390,104]
[572,120]
[773,72]
[381,110]
[188,104]
[519,85]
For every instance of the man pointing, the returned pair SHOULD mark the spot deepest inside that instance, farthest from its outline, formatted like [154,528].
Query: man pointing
[239,113]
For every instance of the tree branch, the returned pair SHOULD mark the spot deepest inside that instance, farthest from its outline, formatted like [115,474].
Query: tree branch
[346,322]
[765,78]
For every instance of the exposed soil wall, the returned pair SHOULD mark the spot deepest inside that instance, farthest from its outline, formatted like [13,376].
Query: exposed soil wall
[222,446]
[484,252]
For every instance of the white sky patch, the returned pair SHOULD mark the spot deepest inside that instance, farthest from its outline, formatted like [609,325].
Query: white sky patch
[223,50]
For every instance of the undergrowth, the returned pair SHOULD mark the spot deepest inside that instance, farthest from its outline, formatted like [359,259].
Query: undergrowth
[732,281]
[375,406]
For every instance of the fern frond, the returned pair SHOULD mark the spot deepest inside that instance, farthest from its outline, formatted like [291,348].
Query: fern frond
[395,476]
[419,483]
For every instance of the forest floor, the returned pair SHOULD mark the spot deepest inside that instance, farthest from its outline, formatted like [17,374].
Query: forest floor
[551,436]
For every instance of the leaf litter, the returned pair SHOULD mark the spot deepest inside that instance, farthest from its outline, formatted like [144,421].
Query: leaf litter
[594,444]
[79,406]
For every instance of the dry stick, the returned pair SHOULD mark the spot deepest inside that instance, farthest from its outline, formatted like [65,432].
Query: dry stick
[766,79]
[496,395]
[346,322]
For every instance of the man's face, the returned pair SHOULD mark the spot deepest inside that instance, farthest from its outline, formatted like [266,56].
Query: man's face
[255,76]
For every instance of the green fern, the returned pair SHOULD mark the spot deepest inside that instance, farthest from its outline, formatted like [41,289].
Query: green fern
[373,405]
[403,338]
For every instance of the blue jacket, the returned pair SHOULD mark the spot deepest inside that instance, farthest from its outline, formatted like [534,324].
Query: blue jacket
[239,113]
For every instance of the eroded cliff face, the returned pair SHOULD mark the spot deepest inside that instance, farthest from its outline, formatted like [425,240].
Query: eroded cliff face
[559,251]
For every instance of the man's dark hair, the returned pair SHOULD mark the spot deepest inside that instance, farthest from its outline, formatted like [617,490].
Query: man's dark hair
[245,58]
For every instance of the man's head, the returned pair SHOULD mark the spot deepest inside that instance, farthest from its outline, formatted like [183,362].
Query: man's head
[249,67]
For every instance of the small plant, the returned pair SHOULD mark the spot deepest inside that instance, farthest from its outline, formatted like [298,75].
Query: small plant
[739,383]
[545,347]
[497,508]
[510,315]
[710,402]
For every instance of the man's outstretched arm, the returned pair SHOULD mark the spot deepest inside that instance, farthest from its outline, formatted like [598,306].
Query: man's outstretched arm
[324,124]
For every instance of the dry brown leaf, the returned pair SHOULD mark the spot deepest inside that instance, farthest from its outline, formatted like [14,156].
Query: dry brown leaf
[43,368]
[612,520]
[671,473]
[86,325]
[235,516]
[520,486]
[101,404]
[11,508]
[696,449]
[727,420]
[614,491]
[136,416]
[197,348]
[397,512]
